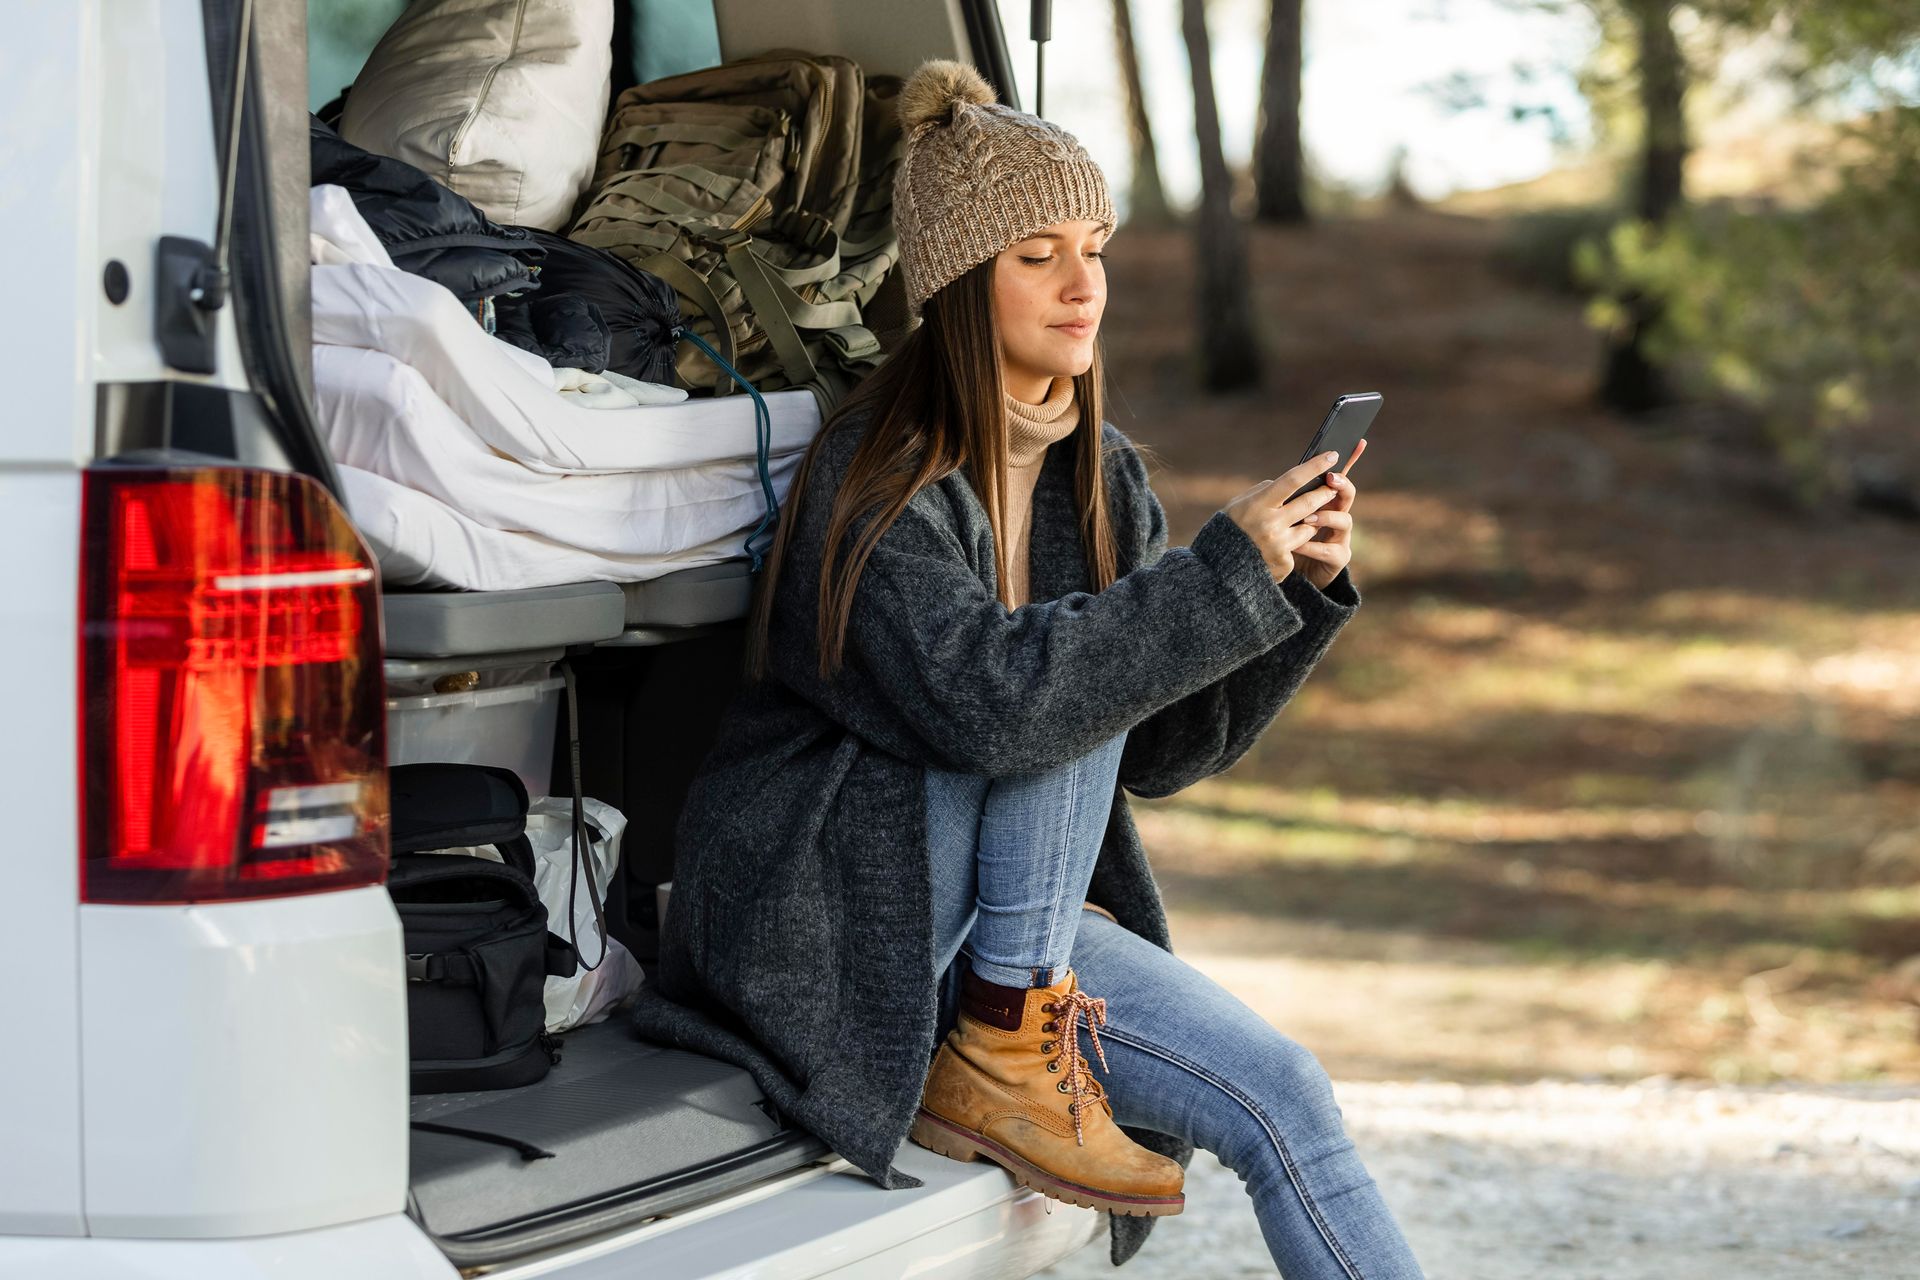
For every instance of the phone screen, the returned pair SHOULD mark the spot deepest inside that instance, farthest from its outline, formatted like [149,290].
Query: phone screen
[1346,423]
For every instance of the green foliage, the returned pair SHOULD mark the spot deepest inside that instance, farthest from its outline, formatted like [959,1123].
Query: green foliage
[1808,315]
[1541,248]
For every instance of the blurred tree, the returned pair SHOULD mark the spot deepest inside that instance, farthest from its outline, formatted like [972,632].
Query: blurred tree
[1229,349]
[1279,175]
[1810,313]
[1660,186]
[1146,196]
[1630,380]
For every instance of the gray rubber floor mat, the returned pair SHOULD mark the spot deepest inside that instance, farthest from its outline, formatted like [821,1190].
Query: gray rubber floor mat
[617,1113]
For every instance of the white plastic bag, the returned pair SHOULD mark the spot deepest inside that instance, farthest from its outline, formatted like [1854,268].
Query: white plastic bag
[586,996]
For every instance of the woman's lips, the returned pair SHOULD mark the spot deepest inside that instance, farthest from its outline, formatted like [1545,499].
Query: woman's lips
[1075,329]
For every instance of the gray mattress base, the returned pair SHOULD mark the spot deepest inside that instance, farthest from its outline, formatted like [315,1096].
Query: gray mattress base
[446,624]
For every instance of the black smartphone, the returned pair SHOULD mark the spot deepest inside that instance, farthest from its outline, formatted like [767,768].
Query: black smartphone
[1346,423]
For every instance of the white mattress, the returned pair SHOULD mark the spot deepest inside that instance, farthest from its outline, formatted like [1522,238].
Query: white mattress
[421,541]
[464,467]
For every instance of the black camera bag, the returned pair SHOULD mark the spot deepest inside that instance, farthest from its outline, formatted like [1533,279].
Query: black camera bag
[478,947]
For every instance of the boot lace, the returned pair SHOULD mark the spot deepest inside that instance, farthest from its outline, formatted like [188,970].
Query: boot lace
[1068,1010]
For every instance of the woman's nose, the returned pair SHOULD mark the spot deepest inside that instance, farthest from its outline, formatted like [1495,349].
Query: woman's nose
[1083,285]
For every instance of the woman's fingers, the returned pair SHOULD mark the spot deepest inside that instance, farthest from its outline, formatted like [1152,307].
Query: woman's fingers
[1307,472]
[1328,552]
[1345,490]
[1307,503]
[1304,533]
[1330,518]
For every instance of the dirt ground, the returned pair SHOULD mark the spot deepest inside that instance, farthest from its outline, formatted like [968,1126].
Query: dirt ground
[1616,777]
[1656,1181]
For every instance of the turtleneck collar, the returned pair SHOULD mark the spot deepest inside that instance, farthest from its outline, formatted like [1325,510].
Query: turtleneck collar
[1031,428]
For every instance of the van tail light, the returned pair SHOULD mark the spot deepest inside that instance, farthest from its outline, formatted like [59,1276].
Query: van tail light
[232,714]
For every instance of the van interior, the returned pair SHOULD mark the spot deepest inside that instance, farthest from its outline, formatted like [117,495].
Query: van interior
[621,1131]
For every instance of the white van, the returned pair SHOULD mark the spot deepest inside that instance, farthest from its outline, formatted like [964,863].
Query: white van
[205,1069]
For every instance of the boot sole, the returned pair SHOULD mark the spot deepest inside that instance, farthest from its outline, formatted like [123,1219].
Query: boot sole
[964,1145]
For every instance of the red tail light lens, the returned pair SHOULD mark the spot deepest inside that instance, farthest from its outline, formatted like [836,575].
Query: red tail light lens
[233,726]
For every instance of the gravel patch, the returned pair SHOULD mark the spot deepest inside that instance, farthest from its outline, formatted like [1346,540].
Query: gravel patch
[1601,1182]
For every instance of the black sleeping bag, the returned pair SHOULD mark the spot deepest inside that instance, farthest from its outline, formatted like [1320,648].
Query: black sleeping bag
[641,310]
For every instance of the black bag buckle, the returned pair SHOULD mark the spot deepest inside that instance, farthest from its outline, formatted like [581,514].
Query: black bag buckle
[417,967]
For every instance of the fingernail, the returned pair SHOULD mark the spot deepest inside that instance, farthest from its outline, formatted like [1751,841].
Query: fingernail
[1311,520]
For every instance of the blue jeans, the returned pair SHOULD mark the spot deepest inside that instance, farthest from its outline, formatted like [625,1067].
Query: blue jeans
[1012,858]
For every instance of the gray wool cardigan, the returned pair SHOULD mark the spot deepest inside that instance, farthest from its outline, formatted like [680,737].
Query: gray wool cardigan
[799,940]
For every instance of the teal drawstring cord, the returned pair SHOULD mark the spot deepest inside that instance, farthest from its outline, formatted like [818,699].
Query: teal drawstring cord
[762,442]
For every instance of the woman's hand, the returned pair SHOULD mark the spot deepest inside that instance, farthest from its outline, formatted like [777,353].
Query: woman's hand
[1276,525]
[1331,549]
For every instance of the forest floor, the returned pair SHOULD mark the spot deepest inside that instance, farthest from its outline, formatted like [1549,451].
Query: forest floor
[1558,1181]
[1616,775]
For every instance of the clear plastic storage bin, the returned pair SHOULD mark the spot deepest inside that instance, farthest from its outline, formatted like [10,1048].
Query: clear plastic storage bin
[501,710]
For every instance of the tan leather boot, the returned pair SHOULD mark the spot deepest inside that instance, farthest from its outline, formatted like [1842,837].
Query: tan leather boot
[1010,1084]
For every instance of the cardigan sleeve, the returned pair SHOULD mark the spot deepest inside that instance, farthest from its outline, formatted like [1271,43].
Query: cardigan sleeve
[1207,731]
[939,670]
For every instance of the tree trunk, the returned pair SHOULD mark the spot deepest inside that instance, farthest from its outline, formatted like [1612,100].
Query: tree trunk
[1146,196]
[1279,176]
[1229,354]
[1629,381]
[1663,90]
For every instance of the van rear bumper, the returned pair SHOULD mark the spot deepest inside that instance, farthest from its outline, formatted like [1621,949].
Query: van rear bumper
[967,1222]
[389,1248]
[244,1065]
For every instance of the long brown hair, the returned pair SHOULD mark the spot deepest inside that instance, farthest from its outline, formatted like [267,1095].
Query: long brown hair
[936,406]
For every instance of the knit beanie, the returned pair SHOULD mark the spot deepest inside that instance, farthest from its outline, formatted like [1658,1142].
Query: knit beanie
[978,176]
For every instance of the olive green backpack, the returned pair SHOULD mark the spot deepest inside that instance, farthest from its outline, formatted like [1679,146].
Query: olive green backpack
[762,191]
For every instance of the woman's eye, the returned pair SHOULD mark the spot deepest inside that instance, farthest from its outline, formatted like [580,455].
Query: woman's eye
[1036,262]
[1099,254]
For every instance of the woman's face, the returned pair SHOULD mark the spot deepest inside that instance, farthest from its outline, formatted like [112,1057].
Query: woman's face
[1048,292]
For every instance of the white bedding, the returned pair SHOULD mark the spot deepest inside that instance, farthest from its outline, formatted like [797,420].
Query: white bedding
[421,541]
[465,466]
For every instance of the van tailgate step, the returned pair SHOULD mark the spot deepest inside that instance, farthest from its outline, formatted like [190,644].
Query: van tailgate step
[635,1130]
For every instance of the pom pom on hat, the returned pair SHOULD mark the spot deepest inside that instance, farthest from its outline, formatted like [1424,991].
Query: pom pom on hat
[933,91]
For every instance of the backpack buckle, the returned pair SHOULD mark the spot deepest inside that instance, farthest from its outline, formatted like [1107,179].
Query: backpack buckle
[726,238]
[418,966]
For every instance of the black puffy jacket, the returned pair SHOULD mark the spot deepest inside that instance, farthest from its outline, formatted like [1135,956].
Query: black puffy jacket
[426,228]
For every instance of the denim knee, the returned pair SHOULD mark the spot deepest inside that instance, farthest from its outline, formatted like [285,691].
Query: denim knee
[1292,1069]
[1285,1108]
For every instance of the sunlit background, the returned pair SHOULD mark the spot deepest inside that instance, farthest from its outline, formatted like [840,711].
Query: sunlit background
[1379,76]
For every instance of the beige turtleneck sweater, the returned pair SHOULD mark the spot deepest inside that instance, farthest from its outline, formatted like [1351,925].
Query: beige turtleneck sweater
[1031,428]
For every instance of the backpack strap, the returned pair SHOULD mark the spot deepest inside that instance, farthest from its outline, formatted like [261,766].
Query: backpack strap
[453,968]
[775,318]
[517,853]
[693,286]
[580,863]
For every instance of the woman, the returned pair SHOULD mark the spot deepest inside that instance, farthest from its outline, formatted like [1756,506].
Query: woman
[968,645]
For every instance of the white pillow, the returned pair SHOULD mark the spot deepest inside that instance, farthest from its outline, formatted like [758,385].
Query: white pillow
[501,100]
